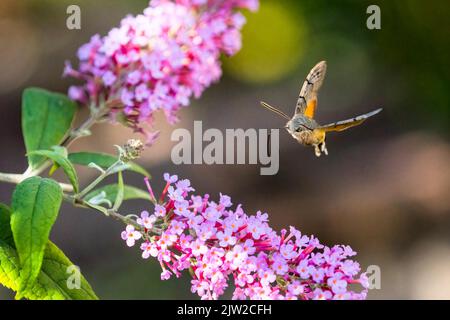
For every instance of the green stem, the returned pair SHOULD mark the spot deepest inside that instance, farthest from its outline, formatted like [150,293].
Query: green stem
[99,179]
[111,213]
[15,178]
[11,178]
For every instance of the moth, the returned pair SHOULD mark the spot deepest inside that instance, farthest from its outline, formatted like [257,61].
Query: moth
[302,126]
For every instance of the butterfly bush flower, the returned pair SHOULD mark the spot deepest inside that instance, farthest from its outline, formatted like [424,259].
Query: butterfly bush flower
[158,60]
[130,235]
[220,246]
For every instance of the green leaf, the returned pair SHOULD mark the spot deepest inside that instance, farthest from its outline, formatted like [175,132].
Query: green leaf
[55,275]
[52,280]
[120,192]
[62,161]
[5,227]
[111,191]
[35,205]
[46,120]
[61,151]
[9,266]
[103,160]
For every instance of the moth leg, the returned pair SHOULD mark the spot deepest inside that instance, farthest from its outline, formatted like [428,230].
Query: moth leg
[317,150]
[323,148]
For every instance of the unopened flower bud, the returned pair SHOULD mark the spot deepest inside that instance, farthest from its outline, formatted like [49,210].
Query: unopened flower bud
[132,150]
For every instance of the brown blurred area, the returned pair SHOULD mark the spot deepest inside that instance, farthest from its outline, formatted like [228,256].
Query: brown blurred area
[384,188]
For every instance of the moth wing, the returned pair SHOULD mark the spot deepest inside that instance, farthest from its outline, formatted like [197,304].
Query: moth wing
[345,124]
[307,100]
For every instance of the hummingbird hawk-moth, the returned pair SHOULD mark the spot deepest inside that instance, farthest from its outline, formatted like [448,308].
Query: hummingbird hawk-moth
[302,125]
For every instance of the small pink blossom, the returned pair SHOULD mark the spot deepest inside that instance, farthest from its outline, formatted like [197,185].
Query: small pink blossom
[146,220]
[226,238]
[181,208]
[279,265]
[267,277]
[160,211]
[177,227]
[198,248]
[170,179]
[303,269]
[337,284]
[296,288]
[320,294]
[148,249]
[130,235]
[165,275]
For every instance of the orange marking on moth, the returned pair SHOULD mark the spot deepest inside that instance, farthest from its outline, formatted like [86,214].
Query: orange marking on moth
[311,108]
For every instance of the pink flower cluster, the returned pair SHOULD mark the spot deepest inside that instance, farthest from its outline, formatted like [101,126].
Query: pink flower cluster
[158,60]
[218,244]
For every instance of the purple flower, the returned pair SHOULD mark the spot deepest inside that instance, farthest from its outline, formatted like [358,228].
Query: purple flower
[221,245]
[175,194]
[256,228]
[212,214]
[296,288]
[225,201]
[160,211]
[166,240]
[109,78]
[348,251]
[320,294]
[337,284]
[76,93]
[160,59]
[267,277]
[148,249]
[206,230]
[184,185]
[303,269]
[198,248]
[181,208]
[130,235]
[146,220]
[165,275]
[134,77]
[350,267]
[279,265]
[225,238]
[364,280]
[236,257]
[177,227]
[288,251]
[170,179]
[317,274]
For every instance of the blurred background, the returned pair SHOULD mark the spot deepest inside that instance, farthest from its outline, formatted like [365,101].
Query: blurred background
[384,188]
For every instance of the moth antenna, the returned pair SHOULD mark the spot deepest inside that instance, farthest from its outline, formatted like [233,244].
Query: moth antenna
[275,110]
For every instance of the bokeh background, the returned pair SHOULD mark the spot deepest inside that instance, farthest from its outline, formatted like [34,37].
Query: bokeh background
[384,188]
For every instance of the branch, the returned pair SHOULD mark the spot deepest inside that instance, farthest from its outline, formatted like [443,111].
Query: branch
[15,178]
[110,213]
